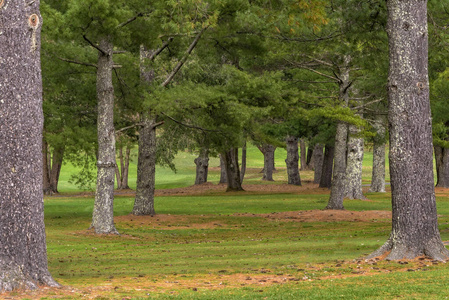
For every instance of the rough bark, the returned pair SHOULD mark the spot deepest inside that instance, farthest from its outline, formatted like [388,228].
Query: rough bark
[414,215]
[328,163]
[378,175]
[354,165]
[202,167]
[243,167]
[103,214]
[341,136]
[318,162]
[223,176]
[146,169]
[292,161]
[230,159]
[23,253]
[268,161]
[303,154]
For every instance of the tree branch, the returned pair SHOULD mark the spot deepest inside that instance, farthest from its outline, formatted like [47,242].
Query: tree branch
[130,20]
[93,45]
[78,62]
[191,126]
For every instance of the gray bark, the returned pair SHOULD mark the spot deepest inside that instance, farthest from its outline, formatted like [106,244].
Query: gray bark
[378,175]
[230,159]
[103,214]
[414,216]
[223,176]
[354,164]
[268,161]
[318,162]
[23,253]
[202,167]
[341,136]
[303,154]
[328,163]
[292,161]
[146,168]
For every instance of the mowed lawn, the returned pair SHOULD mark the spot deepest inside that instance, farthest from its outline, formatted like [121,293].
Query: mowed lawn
[248,245]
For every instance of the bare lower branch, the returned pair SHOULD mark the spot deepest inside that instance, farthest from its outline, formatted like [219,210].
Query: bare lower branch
[191,126]
[130,20]
[78,62]
[93,45]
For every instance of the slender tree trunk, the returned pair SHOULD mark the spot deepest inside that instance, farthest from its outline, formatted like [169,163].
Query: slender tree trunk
[46,171]
[146,169]
[56,165]
[339,175]
[292,161]
[23,253]
[202,166]
[443,168]
[378,177]
[231,162]
[414,216]
[328,163]
[103,214]
[118,178]
[303,154]
[243,168]
[125,168]
[318,162]
[309,160]
[223,176]
[268,165]
[438,150]
[354,164]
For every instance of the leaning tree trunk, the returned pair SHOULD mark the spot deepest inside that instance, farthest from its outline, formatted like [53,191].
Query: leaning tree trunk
[103,214]
[318,162]
[146,169]
[268,161]
[23,253]
[378,177]
[202,167]
[231,162]
[341,136]
[223,176]
[292,160]
[328,164]
[354,164]
[414,216]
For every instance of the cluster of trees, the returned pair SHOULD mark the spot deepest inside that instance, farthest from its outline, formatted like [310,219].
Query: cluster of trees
[210,76]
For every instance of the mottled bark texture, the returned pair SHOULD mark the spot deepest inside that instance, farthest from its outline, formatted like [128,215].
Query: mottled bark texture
[230,159]
[103,214]
[292,160]
[354,164]
[328,163]
[378,175]
[223,176]
[414,223]
[341,137]
[23,253]
[318,162]
[202,167]
[268,161]
[146,168]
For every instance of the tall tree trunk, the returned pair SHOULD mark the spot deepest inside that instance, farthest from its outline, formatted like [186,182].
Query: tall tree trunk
[442,167]
[309,159]
[328,164]
[438,150]
[231,162]
[292,161]
[339,173]
[56,165]
[23,253]
[119,171]
[46,171]
[303,154]
[223,176]
[414,216]
[268,161]
[378,177]
[202,166]
[243,168]
[354,164]
[318,162]
[103,214]
[125,168]
[146,168]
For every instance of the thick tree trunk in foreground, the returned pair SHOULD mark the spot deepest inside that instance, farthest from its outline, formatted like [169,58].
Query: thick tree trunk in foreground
[268,161]
[23,253]
[103,214]
[354,165]
[378,175]
[414,223]
[328,163]
[318,162]
[223,176]
[231,162]
[292,161]
[202,167]
[146,169]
